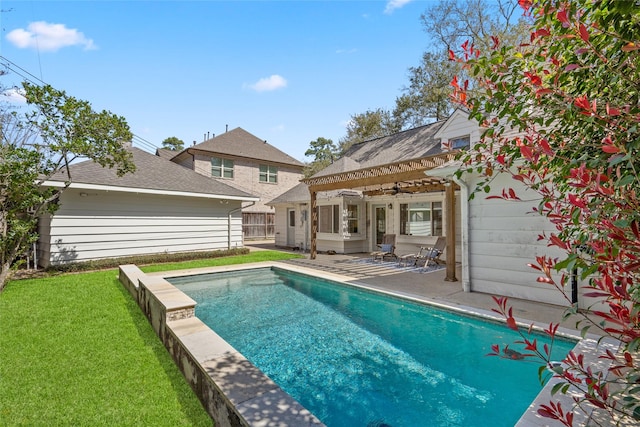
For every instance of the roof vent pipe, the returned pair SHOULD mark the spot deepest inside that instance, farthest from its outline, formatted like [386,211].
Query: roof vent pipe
[226,128]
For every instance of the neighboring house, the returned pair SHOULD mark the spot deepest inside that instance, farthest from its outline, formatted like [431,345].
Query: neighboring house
[161,208]
[250,164]
[404,184]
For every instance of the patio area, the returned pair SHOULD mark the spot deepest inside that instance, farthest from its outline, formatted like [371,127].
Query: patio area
[428,286]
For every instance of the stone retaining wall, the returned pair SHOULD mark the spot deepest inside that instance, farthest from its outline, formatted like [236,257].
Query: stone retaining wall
[232,390]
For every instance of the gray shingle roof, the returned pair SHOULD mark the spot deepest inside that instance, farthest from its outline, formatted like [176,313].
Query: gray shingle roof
[152,172]
[343,164]
[165,153]
[299,193]
[410,144]
[239,142]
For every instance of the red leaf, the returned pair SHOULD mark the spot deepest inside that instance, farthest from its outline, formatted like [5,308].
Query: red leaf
[511,323]
[610,149]
[525,4]
[541,92]
[584,34]
[535,79]
[629,47]
[582,102]
[562,16]
[452,55]
[576,201]
[612,111]
[571,67]
[526,152]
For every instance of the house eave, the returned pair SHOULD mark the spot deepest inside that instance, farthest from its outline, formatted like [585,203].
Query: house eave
[85,186]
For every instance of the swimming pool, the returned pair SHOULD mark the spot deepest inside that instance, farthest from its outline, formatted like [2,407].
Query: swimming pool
[358,358]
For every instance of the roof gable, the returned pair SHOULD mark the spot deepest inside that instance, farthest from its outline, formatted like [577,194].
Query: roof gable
[240,143]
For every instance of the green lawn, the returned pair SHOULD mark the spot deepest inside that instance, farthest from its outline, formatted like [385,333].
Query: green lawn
[76,350]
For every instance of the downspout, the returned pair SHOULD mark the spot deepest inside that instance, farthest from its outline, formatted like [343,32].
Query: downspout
[232,211]
[464,232]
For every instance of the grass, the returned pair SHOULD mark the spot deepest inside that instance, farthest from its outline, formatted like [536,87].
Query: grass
[76,350]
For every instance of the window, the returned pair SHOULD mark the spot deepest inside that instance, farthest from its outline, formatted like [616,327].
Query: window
[421,219]
[268,174]
[352,218]
[329,219]
[292,218]
[221,168]
[460,142]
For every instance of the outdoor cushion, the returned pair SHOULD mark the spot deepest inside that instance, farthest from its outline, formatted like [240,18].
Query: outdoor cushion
[387,248]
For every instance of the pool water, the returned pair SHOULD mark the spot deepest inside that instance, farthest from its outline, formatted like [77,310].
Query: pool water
[358,358]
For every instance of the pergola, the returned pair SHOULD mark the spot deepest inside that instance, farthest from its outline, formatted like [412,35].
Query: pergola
[411,176]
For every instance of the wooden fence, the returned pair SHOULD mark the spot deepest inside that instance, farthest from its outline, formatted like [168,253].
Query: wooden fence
[258,225]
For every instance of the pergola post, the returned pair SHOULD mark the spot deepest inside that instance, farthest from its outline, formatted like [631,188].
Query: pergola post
[450,206]
[314,223]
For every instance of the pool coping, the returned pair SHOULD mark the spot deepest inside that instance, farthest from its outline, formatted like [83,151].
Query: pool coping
[243,395]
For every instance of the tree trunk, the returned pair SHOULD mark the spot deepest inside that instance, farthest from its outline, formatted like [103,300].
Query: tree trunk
[5,274]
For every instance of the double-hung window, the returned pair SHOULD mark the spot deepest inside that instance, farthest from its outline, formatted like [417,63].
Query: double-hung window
[268,174]
[353,213]
[329,219]
[221,168]
[421,219]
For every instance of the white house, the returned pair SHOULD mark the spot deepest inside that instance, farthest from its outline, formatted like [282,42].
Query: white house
[161,208]
[400,184]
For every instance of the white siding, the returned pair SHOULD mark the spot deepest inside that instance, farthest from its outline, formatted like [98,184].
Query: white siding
[503,240]
[301,239]
[113,224]
[457,126]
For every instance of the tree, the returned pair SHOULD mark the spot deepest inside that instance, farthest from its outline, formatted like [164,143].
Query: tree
[173,143]
[324,152]
[563,118]
[368,125]
[449,24]
[428,96]
[44,141]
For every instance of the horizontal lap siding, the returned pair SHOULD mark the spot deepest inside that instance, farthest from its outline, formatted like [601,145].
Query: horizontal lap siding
[113,224]
[503,240]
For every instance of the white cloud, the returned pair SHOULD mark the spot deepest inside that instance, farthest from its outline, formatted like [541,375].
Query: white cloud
[395,4]
[266,84]
[48,37]
[14,95]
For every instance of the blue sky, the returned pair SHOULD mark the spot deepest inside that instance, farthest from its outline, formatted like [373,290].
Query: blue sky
[286,71]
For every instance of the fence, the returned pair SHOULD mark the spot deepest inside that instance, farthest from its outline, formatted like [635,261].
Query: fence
[258,225]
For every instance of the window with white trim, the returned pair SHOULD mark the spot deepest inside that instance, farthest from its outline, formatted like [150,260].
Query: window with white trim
[268,174]
[421,219]
[353,215]
[329,219]
[221,168]
[460,142]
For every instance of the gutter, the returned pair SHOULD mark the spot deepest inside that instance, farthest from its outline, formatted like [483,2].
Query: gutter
[232,211]
[464,232]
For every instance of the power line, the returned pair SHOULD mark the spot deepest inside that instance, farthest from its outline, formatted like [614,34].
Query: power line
[15,68]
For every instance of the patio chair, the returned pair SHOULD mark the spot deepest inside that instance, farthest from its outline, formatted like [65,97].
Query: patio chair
[387,248]
[432,254]
[411,259]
